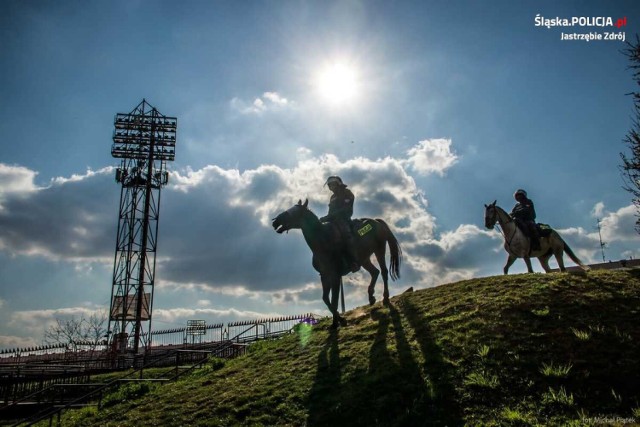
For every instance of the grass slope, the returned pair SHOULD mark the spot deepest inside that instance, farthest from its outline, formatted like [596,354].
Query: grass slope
[553,349]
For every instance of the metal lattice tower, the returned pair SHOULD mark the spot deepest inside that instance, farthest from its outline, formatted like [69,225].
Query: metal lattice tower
[145,140]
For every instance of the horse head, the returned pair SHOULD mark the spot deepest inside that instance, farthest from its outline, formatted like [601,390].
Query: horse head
[490,215]
[291,218]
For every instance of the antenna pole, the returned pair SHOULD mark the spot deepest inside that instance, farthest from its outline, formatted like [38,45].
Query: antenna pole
[602,244]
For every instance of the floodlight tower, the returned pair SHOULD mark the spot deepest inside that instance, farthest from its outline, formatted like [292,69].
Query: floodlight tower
[145,140]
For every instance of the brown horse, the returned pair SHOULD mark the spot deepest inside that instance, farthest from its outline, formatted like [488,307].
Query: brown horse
[372,238]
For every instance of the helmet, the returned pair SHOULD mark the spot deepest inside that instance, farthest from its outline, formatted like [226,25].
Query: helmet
[519,192]
[334,180]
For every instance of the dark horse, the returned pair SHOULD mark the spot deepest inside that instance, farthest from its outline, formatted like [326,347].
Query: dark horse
[373,236]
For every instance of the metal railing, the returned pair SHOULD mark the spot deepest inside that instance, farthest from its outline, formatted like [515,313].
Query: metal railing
[184,359]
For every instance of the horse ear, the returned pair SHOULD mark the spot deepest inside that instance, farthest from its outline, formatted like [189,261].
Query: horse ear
[306,203]
[494,203]
[486,205]
[299,201]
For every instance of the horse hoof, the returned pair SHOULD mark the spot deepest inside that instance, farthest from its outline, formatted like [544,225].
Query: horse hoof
[386,301]
[372,300]
[343,322]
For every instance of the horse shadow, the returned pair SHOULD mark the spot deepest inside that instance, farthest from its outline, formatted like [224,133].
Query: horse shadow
[440,403]
[391,356]
[324,398]
[345,393]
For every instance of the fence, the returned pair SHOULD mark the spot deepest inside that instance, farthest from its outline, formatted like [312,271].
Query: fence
[179,336]
[47,368]
[97,357]
[21,380]
[265,328]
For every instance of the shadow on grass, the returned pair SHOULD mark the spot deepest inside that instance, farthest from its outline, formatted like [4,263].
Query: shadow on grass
[391,390]
[441,407]
[404,397]
[324,403]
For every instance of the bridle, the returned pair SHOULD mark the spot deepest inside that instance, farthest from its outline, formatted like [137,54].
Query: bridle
[508,240]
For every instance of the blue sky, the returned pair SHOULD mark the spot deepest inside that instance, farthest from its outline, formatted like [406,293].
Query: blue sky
[454,104]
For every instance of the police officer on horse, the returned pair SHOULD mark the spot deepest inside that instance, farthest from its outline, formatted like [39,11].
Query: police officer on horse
[340,212]
[525,215]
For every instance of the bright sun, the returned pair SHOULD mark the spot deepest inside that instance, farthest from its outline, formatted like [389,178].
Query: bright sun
[338,83]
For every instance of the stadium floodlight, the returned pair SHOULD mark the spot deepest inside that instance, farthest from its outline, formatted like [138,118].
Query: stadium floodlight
[145,141]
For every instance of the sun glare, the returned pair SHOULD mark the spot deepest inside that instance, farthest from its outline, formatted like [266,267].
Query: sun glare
[338,83]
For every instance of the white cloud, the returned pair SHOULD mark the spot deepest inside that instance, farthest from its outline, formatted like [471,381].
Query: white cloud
[431,156]
[619,225]
[597,210]
[267,102]
[618,233]
[12,342]
[16,181]
[303,153]
[275,98]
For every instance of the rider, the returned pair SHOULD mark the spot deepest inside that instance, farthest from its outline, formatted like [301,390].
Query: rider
[525,213]
[340,211]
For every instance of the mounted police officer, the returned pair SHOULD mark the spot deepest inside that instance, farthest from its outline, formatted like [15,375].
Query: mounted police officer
[525,213]
[340,212]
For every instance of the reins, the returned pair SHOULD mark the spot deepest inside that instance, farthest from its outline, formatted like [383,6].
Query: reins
[499,227]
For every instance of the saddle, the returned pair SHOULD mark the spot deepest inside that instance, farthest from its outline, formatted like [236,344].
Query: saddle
[544,230]
[358,229]
[361,226]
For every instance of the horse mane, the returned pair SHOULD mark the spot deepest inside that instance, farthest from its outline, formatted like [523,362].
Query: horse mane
[502,210]
[313,214]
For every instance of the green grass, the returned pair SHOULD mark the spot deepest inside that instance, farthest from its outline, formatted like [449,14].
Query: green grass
[558,371]
[482,379]
[560,397]
[581,335]
[525,350]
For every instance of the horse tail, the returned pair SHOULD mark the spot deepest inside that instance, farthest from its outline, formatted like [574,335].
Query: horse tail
[574,258]
[395,249]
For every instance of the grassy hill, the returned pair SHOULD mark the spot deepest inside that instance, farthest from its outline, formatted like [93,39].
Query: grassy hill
[555,349]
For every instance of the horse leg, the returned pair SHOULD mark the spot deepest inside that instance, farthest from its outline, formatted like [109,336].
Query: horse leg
[527,261]
[335,297]
[374,272]
[326,289]
[558,254]
[510,261]
[382,262]
[544,262]
[331,285]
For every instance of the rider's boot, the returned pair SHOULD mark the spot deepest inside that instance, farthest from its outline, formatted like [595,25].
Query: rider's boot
[534,236]
[352,257]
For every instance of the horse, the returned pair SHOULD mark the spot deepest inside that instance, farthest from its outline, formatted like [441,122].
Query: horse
[517,244]
[373,236]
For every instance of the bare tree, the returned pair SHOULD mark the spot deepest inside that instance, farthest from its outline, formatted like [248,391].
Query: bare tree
[96,331]
[630,167]
[75,331]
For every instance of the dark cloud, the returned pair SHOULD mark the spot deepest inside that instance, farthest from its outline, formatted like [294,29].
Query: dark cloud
[70,219]
[215,228]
